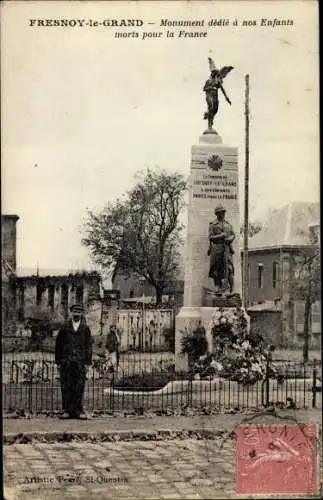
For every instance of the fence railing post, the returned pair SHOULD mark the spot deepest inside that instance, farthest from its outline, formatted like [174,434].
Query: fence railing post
[30,385]
[267,382]
[190,388]
[314,385]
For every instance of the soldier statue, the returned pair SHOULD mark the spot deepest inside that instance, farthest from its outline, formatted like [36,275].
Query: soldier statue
[221,236]
[211,89]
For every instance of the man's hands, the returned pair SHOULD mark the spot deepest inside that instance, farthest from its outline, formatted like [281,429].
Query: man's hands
[220,236]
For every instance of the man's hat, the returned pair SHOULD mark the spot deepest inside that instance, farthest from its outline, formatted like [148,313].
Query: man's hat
[219,209]
[77,309]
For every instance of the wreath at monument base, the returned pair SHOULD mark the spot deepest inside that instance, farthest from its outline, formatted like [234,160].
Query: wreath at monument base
[236,355]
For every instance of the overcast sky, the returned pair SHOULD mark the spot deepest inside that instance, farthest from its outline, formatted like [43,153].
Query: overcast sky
[83,111]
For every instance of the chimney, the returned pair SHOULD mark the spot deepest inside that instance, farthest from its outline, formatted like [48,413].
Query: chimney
[314,229]
[9,240]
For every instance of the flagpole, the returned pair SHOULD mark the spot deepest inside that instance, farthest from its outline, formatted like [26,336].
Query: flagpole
[245,277]
[143,320]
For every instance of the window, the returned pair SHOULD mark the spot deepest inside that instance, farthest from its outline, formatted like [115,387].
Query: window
[51,296]
[64,299]
[79,294]
[299,309]
[316,317]
[260,275]
[275,274]
[39,293]
[21,303]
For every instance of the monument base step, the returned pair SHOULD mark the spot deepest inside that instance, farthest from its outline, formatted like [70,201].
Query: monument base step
[213,299]
[186,321]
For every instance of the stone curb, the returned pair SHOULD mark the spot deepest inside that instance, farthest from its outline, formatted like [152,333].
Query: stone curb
[113,436]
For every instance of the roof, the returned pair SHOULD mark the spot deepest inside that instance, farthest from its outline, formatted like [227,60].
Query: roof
[32,273]
[287,226]
[267,306]
[9,216]
[141,300]
[43,272]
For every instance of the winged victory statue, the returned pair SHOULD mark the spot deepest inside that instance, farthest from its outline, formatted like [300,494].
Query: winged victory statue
[211,89]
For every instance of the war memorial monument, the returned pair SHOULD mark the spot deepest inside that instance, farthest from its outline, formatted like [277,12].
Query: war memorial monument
[212,265]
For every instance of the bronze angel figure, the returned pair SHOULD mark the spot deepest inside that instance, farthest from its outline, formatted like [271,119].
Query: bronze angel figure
[211,89]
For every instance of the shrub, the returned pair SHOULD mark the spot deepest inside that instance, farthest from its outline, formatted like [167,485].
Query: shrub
[194,344]
[15,344]
[169,336]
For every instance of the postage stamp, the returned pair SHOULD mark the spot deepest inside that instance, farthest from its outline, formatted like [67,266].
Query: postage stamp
[277,459]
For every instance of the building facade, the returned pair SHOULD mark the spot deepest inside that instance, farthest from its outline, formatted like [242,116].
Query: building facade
[38,295]
[275,260]
[8,272]
[51,296]
[134,286]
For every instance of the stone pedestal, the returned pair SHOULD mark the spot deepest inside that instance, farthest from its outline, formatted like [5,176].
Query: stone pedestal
[213,180]
[186,322]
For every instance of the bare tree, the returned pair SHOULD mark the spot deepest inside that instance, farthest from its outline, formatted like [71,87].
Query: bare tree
[306,285]
[254,228]
[141,231]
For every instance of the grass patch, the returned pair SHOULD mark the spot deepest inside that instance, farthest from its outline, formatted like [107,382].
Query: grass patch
[27,345]
[143,381]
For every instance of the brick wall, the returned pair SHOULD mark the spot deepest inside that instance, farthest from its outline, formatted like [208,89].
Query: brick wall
[9,263]
[9,239]
[268,324]
[132,286]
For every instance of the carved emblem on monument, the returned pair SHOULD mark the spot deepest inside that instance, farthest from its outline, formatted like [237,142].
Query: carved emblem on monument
[215,162]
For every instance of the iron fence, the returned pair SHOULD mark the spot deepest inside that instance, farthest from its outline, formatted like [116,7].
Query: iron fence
[150,383]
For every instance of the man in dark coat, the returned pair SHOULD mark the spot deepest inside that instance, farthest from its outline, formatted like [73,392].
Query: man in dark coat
[113,344]
[73,354]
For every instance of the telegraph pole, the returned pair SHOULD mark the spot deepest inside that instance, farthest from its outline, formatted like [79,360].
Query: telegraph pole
[245,276]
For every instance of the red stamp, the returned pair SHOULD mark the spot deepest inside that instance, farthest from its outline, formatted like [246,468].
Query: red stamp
[277,458]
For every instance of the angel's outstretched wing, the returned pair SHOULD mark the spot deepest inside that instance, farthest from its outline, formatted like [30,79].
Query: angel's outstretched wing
[224,71]
[211,64]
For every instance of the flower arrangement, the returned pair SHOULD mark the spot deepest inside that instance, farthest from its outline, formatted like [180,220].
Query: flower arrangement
[206,367]
[236,354]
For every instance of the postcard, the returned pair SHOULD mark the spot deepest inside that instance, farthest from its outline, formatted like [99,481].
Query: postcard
[161,293]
